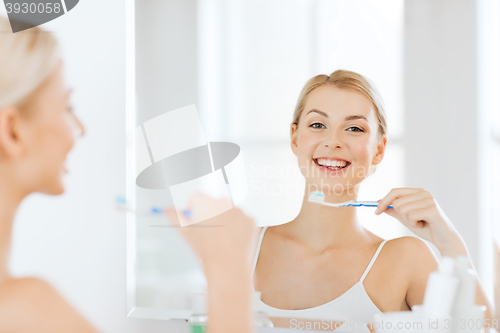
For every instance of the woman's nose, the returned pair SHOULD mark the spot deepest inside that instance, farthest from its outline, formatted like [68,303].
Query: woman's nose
[80,128]
[333,141]
[333,146]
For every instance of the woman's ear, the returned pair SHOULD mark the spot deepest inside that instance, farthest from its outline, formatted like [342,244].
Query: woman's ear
[379,155]
[293,138]
[10,143]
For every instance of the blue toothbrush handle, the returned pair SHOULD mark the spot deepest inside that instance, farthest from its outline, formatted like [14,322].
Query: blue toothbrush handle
[366,204]
[187,212]
[156,210]
[122,204]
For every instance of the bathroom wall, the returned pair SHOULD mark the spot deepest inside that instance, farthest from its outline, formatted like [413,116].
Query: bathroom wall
[448,115]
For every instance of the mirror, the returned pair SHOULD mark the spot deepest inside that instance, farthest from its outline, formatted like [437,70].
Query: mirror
[241,65]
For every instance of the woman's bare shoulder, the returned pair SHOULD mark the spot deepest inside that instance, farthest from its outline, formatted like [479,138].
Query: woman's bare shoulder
[39,301]
[14,291]
[410,247]
[414,256]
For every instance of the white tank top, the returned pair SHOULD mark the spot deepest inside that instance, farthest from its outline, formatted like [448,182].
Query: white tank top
[352,305]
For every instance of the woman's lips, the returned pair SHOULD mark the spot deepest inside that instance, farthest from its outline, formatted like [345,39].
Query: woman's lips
[321,167]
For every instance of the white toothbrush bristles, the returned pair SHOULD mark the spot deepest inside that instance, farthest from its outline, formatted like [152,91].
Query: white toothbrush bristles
[319,198]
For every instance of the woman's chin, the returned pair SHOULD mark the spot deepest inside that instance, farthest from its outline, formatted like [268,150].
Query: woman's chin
[55,189]
[54,192]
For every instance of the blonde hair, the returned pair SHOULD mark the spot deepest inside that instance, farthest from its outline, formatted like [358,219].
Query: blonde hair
[344,79]
[27,59]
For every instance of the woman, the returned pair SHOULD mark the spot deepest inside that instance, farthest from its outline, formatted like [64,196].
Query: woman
[37,131]
[324,263]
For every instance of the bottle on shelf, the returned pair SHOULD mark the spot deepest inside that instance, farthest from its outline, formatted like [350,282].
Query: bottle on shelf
[199,319]
[440,291]
[468,317]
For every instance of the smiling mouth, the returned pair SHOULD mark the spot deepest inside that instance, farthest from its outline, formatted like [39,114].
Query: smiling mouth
[331,165]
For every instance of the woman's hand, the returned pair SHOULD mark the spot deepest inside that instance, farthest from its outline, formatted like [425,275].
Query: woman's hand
[417,209]
[227,237]
[224,243]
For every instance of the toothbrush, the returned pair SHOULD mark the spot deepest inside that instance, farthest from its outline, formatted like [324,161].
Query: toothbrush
[121,204]
[319,198]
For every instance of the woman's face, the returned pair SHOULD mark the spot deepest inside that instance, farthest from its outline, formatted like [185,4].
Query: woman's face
[50,133]
[337,124]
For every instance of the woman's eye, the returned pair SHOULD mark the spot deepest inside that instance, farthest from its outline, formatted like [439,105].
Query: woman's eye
[357,128]
[317,125]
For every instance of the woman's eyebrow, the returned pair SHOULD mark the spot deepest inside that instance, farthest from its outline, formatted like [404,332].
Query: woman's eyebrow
[318,111]
[358,116]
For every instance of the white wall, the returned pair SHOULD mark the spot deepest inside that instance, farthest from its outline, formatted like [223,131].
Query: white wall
[446,118]
[77,241]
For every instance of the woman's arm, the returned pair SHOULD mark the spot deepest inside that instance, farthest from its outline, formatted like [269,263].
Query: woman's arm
[419,211]
[224,243]
[229,296]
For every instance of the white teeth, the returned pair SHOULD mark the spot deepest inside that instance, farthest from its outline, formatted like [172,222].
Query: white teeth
[329,163]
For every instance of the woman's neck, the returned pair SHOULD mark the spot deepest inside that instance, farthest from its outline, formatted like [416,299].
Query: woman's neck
[321,227]
[9,203]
